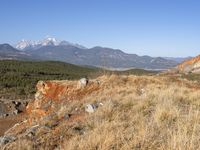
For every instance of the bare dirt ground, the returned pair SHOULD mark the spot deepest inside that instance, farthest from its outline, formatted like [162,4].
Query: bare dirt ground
[8,122]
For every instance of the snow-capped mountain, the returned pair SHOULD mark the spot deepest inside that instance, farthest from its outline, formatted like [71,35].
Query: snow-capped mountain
[49,41]
[23,44]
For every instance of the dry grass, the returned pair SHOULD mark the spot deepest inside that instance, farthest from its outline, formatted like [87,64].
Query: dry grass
[137,113]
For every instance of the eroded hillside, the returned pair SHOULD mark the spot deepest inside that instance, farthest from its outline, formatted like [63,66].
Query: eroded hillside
[110,112]
[191,65]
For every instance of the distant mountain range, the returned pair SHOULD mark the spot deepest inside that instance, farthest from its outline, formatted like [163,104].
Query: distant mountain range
[178,59]
[52,49]
[8,52]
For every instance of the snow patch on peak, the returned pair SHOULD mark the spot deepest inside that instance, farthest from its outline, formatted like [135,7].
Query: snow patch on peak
[24,44]
[48,41]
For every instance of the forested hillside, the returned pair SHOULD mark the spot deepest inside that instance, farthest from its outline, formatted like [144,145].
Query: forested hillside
[18,78]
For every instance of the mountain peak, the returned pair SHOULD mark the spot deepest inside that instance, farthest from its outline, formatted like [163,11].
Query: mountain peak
[7,47]
[24,44]
[48,41]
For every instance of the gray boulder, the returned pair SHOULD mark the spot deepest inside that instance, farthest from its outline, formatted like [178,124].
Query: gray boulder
[6,139]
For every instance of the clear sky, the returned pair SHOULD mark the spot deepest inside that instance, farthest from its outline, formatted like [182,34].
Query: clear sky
[144,27]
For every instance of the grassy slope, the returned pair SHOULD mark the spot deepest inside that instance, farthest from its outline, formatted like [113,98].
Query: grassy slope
[146,112]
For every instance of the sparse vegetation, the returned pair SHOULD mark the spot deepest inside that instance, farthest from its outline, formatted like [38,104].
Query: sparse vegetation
[192,77]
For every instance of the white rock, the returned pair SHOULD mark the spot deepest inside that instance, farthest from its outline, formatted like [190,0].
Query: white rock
[90,108]
[83,82]
[6,139]
[142,91]
[100,104]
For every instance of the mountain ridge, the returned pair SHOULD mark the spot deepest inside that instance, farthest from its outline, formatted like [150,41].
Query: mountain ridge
[101,57]
[55,50]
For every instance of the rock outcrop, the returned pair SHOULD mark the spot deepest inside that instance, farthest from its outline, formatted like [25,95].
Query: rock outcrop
[51,95]
[48,108]
[190,66]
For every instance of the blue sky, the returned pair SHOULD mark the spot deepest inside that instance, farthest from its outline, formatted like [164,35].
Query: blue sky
[144,27]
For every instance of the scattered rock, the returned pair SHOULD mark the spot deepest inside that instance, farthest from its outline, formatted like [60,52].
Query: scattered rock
[97,82]
[142,91]
[31,131]
[49,121]
[10,107]
[6,139]
[15,112]
[100,104]
[90,108]
[83,82]
[66,116]
[20,106]
[4,115]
